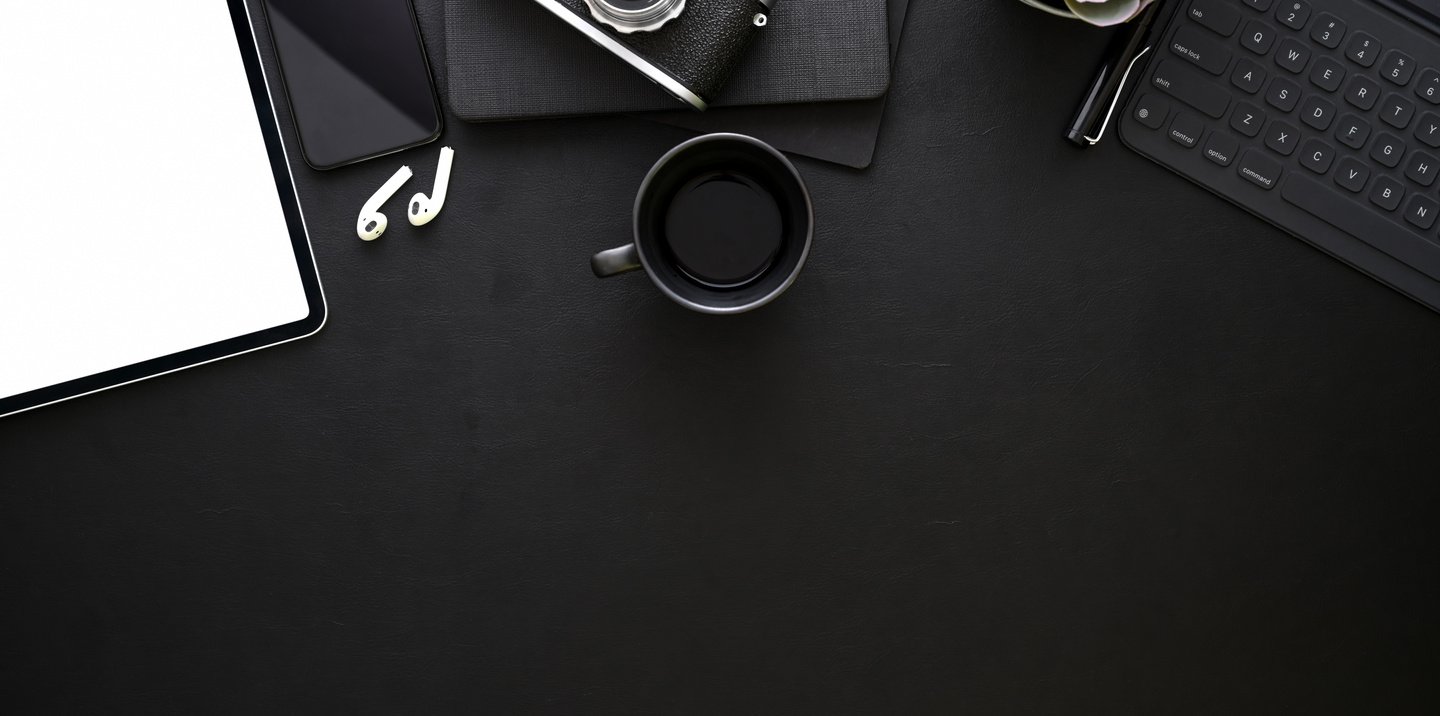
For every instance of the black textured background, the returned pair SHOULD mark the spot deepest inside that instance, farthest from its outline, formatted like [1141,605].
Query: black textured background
[1039,430]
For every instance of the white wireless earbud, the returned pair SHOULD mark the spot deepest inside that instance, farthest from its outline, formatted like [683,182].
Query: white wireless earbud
[372,223]
[425,208]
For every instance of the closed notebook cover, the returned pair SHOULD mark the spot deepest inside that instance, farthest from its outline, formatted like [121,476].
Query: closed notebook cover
[841,132]
[511,59]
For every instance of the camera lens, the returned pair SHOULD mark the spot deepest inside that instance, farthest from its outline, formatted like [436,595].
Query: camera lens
[629,16]
[636,5]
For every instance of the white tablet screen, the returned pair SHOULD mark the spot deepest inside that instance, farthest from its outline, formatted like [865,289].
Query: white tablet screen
[141,217]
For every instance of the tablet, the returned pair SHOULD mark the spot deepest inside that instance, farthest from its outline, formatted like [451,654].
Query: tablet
[151,220]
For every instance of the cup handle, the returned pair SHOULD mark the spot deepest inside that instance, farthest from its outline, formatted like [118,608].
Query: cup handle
[615,261]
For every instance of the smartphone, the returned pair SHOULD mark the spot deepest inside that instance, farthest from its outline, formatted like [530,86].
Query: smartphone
[357,77]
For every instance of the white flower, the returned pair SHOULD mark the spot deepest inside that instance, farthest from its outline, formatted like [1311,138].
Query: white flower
[1106,12]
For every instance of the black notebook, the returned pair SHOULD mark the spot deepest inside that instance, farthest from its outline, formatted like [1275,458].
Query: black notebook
[840,132]
[511,59]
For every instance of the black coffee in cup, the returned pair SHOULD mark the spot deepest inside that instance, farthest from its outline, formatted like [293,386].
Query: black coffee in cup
[723,224]
[723,229]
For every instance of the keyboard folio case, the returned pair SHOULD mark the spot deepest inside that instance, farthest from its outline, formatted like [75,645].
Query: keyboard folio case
[1319,116]
[512,59]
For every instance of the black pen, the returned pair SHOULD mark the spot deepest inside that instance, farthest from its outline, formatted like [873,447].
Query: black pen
[1105,89]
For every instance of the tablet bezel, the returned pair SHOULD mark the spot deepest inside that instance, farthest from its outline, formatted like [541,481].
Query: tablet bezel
[299,240]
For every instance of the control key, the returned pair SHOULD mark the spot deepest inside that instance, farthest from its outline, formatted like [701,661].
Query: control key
[1191,88]
[1185,130]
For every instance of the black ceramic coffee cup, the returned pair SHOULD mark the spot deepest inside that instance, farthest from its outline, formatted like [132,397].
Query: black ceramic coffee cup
[723,224]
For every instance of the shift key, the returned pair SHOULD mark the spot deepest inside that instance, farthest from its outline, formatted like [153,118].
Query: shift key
[1191,87]
[1197,46]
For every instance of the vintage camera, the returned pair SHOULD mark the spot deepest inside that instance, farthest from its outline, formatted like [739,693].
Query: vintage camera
[688,47]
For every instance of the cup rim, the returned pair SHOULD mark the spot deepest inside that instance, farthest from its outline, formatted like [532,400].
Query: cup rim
[686,146]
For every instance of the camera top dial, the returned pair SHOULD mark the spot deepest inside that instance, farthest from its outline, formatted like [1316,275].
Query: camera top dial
[627,16]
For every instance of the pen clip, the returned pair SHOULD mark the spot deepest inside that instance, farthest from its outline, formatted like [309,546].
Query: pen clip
[1118,91]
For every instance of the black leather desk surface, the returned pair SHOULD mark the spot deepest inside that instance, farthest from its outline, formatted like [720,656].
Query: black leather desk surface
[1039,430]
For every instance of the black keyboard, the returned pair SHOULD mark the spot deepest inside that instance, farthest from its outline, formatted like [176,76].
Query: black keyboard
[1321,116]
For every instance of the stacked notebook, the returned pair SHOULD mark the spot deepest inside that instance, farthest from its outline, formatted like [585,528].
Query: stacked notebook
[511,59]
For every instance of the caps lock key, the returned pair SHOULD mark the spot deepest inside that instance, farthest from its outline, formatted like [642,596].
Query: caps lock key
[1201,49]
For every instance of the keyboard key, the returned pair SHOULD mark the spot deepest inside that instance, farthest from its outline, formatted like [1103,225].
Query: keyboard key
[1200,48]
[1258,37]
[1317,113]
[1247,120]
[1421,211]
[1191,88]
[1283,94]
[1396,111]
[1317,156]
[1387,193]
[1328,30]
[1221,18]
[1419,252]
[1397,67]
[1186,130]
[1293,14]
[1362,49]
[1262,171]
[1387,150]
[1422,168]
[1429,86]
[1352,174]
[1220,148]
[1282,138]
[1293,56]
[1261,5]
[1352,131]
[1362,92]
[1151,110]
[1428,131]
[1248,76]
[1327,74]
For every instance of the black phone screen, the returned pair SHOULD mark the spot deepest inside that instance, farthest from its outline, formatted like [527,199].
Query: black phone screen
[356,75]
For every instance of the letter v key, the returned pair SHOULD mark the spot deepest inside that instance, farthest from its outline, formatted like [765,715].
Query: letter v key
[1351,174]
